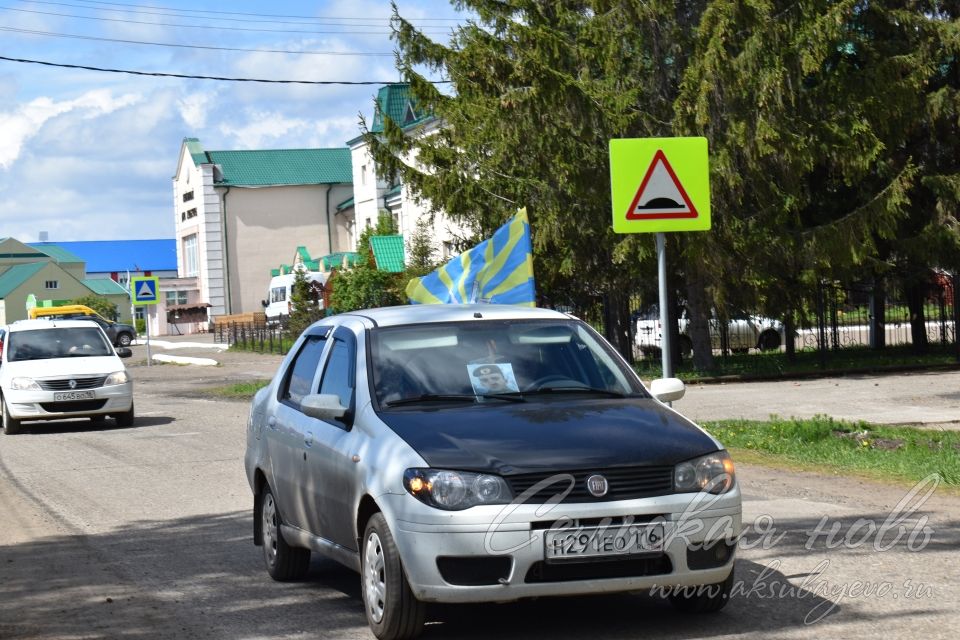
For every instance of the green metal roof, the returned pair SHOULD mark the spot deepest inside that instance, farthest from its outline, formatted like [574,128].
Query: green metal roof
[346,204]
[335,260]
[394,191]
[196,151]
[17,275]
[104,286]
[259,168]
[59,254]
[397,102]
[388,252]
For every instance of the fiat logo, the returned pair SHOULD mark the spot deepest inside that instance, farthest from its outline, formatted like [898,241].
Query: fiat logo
[597,485]
[73,384]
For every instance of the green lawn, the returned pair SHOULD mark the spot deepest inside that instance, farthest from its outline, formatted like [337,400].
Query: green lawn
[238,390]
[882,452]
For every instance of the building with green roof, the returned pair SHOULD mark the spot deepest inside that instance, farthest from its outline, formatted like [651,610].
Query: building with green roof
[238,213]
[373,196]
[52,275]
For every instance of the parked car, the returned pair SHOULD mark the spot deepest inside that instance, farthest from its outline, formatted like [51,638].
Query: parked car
[55,369]
[483,453]
[120,334]
[744,331]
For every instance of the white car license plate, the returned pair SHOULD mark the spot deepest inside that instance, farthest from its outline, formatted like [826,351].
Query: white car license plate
[66,396]
[588,542]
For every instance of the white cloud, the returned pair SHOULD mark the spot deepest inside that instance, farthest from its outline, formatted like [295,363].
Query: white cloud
[24,123]
[193,109]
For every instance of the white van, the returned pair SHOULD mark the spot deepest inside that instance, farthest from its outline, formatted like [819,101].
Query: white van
[278,303]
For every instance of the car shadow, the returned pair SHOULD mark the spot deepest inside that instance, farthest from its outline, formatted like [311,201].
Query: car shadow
[78,425]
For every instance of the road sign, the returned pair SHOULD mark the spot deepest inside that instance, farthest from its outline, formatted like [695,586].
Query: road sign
[145,289]
[660,184]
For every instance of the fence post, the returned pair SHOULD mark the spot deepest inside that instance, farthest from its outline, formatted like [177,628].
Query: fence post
[821,325]
[956,314]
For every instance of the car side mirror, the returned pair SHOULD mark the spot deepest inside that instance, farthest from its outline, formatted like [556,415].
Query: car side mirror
[667,389]
[124,352]
[323,406]
[264,303]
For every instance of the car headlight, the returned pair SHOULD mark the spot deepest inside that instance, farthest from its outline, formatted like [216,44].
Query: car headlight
[712,472]
[24,384]
[455,490]
[120,377]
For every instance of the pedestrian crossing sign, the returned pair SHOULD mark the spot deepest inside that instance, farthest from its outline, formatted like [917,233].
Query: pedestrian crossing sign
[145,289]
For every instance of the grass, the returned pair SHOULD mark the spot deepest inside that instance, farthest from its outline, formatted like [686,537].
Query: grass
[238,390]
[880,452]
[776,364]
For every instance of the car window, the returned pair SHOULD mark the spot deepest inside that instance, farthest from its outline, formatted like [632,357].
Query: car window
[339,374]
[302,371]
[57,342]
[477,358]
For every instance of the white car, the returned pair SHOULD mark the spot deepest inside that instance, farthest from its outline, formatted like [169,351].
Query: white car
[57,369]
[744,332]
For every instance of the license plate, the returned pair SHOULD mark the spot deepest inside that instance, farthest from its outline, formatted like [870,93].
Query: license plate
[589,542]
[66,396]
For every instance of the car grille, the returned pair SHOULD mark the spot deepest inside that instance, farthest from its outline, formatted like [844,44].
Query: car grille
[67,407]
[656,565]
[626,483]
[63,384]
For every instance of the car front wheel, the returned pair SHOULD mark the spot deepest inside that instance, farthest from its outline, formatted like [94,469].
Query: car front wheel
[393,612]
[284,563]
[125,419]
[769,341]
[10,424]
[124,339]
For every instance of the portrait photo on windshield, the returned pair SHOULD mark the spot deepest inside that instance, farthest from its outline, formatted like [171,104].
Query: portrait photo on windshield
[492,378]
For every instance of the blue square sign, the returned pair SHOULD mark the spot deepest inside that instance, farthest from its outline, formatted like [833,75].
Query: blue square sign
[145,289]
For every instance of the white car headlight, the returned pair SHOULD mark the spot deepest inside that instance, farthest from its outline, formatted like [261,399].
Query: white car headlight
[712,472]
[24,384]
[120,377]
[456,490]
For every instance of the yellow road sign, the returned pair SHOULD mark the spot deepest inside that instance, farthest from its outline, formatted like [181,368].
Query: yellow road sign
[660,184]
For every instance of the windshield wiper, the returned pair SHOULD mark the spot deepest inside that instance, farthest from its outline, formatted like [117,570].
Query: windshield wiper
[452,397]
[607,392]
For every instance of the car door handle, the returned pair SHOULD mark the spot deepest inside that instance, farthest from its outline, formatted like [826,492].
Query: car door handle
[272,422]
[308,440]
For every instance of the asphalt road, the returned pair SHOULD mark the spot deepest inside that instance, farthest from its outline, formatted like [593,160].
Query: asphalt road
[145,533]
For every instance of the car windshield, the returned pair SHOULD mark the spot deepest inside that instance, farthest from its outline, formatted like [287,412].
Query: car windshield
[57,342]
[476,360]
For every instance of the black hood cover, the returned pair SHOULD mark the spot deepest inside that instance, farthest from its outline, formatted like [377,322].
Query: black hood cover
[552,435]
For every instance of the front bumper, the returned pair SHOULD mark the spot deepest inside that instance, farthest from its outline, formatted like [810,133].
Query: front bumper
[41,405]
[424,534]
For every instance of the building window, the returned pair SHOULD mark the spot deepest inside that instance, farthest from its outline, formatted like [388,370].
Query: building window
[51,284]
[176,297]
[191,264]
[363,174]
[188,196]
[191,213]
[448,250]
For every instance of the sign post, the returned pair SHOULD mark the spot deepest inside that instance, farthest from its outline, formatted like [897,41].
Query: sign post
[660,185]
[145,290]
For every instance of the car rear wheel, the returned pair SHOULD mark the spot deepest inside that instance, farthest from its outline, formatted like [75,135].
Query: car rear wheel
[769,341]
[124,339]
[10,425]
[703,598]
[125,419]
[393,612]
[284,563]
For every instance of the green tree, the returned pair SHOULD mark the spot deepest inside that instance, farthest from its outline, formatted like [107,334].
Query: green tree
[364,286]
[304,302]
[99,304]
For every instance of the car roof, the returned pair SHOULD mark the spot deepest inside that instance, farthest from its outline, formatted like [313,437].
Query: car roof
[428,313]
[48,323]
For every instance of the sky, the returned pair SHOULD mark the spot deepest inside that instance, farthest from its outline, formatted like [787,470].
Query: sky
[89,155]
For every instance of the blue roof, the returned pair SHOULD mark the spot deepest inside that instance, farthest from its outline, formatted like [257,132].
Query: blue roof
[108,256]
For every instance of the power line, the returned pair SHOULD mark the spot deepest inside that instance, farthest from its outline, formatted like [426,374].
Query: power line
[258,15]
[185,13]
[194,46]
[194,77]
[193,26]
